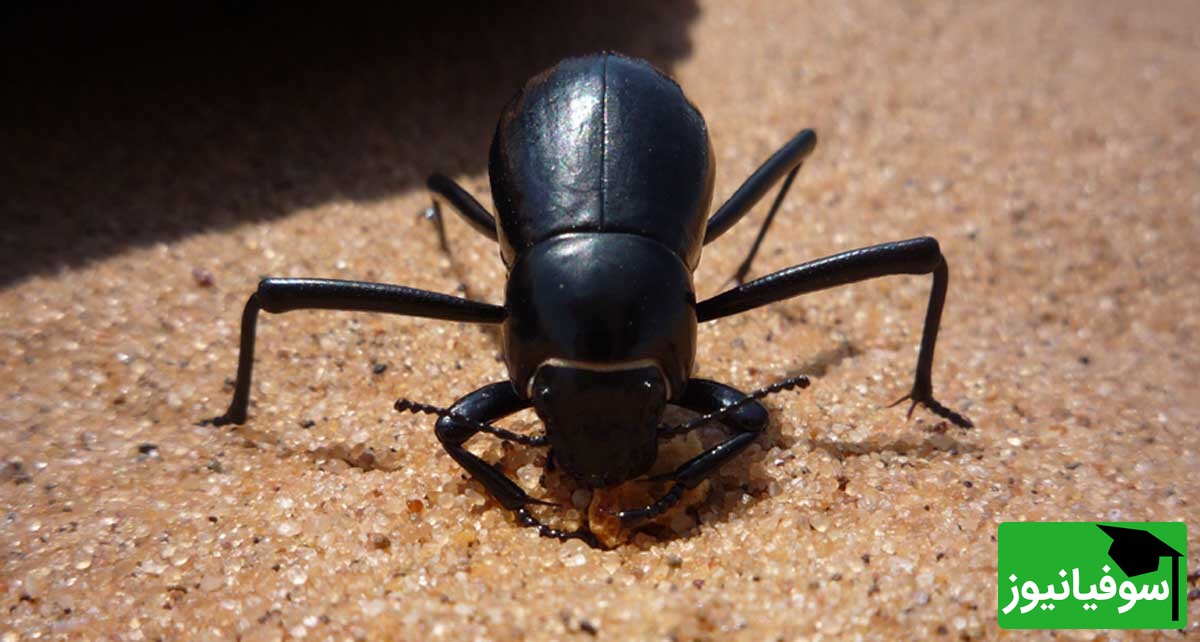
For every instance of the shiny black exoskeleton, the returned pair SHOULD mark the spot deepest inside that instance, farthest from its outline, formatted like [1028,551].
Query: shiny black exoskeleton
[602,178]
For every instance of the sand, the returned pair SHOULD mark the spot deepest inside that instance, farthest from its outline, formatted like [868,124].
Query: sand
[1050,147]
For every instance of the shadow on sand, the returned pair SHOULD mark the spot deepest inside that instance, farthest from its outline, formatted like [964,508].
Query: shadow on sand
[131,125]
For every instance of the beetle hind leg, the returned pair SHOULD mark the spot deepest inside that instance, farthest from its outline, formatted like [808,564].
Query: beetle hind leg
[783,166]
[445,189]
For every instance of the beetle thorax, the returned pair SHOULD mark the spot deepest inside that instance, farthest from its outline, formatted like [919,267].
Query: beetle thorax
[600,302]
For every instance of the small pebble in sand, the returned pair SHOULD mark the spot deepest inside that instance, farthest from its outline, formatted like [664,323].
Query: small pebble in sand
[202,277]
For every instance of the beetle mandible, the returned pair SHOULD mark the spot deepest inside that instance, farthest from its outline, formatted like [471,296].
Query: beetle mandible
[602,178]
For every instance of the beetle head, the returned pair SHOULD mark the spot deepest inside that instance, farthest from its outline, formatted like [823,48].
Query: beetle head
[602,424]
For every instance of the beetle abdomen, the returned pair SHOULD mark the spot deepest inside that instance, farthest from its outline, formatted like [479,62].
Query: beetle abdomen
[602,143]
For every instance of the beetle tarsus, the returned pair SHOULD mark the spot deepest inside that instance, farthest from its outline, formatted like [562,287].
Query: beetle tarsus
[433,214]
[223,420]
[933,405]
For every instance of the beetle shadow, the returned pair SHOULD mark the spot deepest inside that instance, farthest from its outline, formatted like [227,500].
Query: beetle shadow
[130,125]
[939,442]
[821,363]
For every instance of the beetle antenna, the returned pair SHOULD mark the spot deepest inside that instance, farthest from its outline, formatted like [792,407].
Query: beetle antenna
[799,381]
[415,407]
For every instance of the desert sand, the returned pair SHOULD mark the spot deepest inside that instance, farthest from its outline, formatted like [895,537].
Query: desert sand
[151,180]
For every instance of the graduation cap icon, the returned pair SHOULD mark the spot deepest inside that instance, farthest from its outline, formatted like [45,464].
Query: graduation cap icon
[1138,552]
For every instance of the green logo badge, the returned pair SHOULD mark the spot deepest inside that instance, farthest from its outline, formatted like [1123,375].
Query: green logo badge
[1084,575]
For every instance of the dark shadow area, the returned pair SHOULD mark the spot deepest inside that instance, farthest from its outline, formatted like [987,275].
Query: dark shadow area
[821,363]
[928,447]
[128,125]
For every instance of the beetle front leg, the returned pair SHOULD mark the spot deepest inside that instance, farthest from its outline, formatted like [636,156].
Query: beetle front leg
[914,256]
[704,396]
[486,405]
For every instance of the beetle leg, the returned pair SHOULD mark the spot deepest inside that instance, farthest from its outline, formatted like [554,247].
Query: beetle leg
[914,256]
[434,214]
[705,396]
[689,475]
[470,209]
[783,164]
[284,295]
[739,277]
[486,405]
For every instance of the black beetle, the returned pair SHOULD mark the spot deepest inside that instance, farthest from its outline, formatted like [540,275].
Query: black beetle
[602,177]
